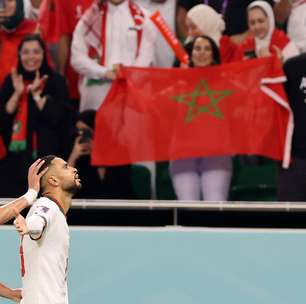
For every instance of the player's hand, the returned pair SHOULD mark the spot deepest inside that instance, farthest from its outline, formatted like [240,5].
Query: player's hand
[33,176]
[20,223]
[16,295]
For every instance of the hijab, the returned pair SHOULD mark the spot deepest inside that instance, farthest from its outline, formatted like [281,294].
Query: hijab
[209,22]
[267,9]
[12,22]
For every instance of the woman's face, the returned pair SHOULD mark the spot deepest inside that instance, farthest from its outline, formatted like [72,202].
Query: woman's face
[192,29]
[31,55]
[10,7]
[258,22]
[202,54]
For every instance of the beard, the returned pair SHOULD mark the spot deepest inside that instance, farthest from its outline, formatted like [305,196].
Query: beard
[74,188]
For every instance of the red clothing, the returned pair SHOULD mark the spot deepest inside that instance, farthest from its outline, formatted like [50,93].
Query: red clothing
[9,46]
[279,39]
[69,13]
[227,49]
[47,21]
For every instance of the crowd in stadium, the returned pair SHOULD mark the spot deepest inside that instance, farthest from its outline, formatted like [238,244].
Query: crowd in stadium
[59,59]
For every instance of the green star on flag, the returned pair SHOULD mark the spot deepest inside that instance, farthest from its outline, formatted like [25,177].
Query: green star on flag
[194,108]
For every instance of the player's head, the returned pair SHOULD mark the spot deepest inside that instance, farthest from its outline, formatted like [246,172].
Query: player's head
[59,176]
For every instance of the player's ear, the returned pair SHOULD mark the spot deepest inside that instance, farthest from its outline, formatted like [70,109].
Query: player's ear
[53,181]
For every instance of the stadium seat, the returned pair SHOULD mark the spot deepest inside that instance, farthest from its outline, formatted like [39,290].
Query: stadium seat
[141,181]
[254,179]
[164,187]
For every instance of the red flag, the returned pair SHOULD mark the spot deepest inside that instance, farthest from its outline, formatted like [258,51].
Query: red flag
[166,114]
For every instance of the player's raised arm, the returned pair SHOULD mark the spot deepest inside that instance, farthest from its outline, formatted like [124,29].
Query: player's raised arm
[7,211]
[12,294]
[33,225]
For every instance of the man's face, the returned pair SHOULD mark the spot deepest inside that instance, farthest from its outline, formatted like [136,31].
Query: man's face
[65,176]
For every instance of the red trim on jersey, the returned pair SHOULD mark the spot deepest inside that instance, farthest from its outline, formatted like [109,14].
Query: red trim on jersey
[21,258]
[55,201]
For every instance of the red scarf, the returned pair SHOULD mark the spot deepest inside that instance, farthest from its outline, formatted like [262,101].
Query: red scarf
[138,17]
[20,126]
[279,38]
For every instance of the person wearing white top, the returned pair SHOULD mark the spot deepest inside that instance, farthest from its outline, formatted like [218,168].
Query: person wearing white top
[164,56]
[45,236]
[31,9]
[128,38]
[293,11]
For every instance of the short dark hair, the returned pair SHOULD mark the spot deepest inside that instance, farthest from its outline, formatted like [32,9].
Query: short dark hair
[48,159]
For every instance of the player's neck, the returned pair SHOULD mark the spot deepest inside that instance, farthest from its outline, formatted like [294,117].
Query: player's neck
[63,199]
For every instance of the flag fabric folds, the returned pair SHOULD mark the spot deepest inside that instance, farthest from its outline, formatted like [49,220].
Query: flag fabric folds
[166,114]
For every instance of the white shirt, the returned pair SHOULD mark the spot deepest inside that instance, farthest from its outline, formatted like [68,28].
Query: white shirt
[29,11]
[164,56]
[46,259]
[121,48]
[296,27]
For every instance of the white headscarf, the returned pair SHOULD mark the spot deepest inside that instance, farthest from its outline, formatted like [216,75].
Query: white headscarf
[209,22]
[267,8]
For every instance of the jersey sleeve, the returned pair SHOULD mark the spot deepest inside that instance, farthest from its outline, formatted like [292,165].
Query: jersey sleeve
[40,216]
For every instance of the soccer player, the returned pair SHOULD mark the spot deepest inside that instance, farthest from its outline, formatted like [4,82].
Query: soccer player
[45,243]
[7,212]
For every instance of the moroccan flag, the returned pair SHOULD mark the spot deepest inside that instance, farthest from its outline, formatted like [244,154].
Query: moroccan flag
[166,114]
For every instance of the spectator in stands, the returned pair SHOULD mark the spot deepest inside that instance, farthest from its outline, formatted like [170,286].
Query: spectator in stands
[164,55]
[206,178]
[264,39]
[13,28]
[233,13]
[204,20]
[292,181]
[293,11]
[58,20]
[34,115]
[111,33]
[97,182]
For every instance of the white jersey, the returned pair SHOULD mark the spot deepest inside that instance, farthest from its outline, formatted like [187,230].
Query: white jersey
[44,261]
